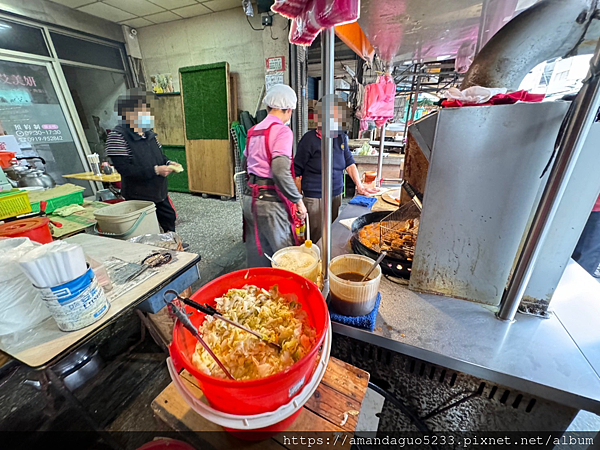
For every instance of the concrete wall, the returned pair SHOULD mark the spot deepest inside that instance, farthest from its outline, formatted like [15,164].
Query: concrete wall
[53,13]
[223,36]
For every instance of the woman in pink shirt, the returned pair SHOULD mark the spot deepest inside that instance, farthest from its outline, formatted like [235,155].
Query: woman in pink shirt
[271,193]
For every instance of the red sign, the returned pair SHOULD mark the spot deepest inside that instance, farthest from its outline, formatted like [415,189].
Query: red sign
[276,64]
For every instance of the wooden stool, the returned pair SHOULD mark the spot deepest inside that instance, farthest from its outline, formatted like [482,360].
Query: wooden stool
[334,407]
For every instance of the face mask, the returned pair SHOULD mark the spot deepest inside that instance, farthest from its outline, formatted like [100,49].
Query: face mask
[335,125]
[145,121]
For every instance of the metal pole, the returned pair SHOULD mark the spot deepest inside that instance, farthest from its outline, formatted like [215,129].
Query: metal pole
[380,157]
[408,106]
[327,60]
[585,109]
[416,98]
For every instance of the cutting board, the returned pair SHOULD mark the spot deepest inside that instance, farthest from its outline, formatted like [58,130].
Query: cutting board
[392,197]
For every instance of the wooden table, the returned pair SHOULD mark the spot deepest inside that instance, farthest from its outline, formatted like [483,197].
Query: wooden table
[341,391]
[90,176]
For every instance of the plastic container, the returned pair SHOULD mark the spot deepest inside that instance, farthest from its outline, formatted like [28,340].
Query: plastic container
[14,203]
[258,426]
[263,395]
[353,298]
[101,274]
[52,204]
[312,272]
[36,229]
[76,304]
[127,219]
[6,158]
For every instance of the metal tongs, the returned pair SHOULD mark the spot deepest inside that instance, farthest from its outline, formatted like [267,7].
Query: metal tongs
[209,310]
[187,323]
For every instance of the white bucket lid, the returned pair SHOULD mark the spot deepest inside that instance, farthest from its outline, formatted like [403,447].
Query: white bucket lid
[254,422]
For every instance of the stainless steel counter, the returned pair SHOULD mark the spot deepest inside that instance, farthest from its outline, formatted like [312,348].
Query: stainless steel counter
[557,359]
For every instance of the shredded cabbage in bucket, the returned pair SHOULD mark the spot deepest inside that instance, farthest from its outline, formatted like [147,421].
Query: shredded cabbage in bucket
[278,319]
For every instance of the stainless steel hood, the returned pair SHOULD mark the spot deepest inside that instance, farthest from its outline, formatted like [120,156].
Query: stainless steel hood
[484,175]
[428,30]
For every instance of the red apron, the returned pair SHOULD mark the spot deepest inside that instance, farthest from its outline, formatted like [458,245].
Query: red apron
[289,206]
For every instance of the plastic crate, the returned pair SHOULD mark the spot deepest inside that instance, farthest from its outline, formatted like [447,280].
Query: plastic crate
[14,203]
[74,198]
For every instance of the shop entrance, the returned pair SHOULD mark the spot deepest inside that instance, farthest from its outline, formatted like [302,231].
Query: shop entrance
[31,110]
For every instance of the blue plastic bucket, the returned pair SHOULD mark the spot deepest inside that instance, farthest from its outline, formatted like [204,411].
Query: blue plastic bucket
[76,304]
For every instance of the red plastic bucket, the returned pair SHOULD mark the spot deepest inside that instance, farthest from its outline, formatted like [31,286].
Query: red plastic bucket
[265,394]
[36,229]
[5,159]
[166,444]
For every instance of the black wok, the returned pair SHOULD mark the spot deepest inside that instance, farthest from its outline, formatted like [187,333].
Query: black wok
[397,267]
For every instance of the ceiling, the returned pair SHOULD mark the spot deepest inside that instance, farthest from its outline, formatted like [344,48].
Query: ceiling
[430,30]
[143,13]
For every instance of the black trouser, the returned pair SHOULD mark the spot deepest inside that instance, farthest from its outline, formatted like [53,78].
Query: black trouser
[166,215]
[587,252]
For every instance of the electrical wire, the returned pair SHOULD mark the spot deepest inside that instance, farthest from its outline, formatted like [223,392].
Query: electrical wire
[417,422]
[440,409]
[252,26]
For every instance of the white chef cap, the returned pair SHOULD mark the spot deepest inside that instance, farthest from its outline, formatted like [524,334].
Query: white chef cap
[281,96]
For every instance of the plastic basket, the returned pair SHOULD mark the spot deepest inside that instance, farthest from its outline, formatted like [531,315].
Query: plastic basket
[74,198]
[14,203]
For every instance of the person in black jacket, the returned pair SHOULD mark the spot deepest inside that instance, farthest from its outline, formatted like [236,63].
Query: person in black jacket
[137,155]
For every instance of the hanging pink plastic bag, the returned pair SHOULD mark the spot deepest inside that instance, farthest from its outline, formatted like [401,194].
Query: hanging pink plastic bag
[289,8]
[379,101]
[316,15]
[331,13]
[304,28]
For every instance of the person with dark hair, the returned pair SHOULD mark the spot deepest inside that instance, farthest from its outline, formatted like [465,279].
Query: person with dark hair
[271,199]
[136,153]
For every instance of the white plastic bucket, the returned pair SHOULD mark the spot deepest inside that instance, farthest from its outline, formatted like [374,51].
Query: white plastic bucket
[257,421]
[126,220]
[76,304]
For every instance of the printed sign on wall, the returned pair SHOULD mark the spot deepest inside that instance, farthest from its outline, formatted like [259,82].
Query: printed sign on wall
[276,64]
[273,79]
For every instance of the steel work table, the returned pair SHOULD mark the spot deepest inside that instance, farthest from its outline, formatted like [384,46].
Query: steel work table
[557,358]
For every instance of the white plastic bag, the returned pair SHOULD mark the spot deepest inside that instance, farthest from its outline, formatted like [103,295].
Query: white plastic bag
[473,95]
[20,305]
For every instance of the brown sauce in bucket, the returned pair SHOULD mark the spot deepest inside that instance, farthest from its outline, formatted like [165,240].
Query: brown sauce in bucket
[352,276]
[348,307]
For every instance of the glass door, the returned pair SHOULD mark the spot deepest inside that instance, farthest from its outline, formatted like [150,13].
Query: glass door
[32,109]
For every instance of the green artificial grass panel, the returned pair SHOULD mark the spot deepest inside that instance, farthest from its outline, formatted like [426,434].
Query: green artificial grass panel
[205,101]
[178,182]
